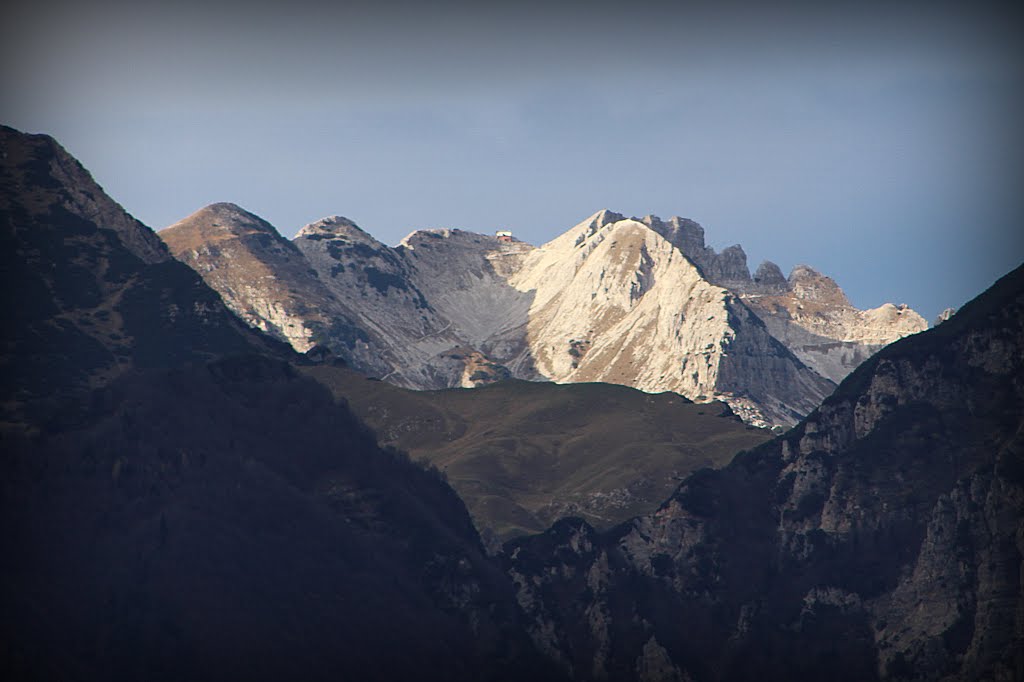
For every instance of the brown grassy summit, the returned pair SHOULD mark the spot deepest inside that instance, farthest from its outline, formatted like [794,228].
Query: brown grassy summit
[214,223]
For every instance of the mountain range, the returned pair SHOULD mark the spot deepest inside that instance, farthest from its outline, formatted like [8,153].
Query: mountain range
[637,302]
[183,496]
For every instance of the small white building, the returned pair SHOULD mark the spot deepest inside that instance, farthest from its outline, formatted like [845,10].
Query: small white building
[504,235]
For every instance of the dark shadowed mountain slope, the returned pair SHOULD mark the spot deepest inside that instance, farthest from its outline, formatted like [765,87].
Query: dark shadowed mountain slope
[230,521]
[882,538]
[523,454]
[88,291]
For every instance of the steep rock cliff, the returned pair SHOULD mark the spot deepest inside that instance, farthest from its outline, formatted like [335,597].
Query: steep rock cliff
[808,313]
[424,347]
[811,315]
[882,538]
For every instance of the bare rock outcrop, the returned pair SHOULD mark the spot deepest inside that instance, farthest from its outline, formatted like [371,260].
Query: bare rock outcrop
[807,312]
[769,279]
[610,300]
[415,304]
[727,269]
[943,316]
[812,316]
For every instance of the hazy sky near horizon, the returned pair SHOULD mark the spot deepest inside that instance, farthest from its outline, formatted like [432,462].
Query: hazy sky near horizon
[877,142]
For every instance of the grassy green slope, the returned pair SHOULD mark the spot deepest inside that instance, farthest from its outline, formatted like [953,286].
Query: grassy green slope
[523,454]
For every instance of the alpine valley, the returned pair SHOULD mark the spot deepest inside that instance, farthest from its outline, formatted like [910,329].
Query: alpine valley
[205,470]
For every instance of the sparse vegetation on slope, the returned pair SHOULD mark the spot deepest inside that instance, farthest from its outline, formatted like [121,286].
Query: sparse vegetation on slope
[523,454]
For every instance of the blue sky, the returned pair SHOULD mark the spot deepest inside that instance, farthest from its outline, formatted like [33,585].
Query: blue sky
[879,142]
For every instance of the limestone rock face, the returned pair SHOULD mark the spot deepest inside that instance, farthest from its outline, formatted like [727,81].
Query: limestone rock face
[265,280]
[807,312]
[811,315]
[943,316]
[617,302]
[879,539]
[428,342]
[465,276]
[727,269]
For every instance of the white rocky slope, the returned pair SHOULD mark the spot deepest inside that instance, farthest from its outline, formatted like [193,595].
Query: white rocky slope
[614,301]
[426,347]
[808,312]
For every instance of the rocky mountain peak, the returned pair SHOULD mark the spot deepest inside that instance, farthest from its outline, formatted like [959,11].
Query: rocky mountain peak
[808,312]
[769,278]
[227,211]
[215,223]
[453,236]
[605,217]
[811,315]
[266,281]
[809,284]
[589,227]
[638,302]
[619,303]
[686,234]
[728,269]
[337,227]
[226,208]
